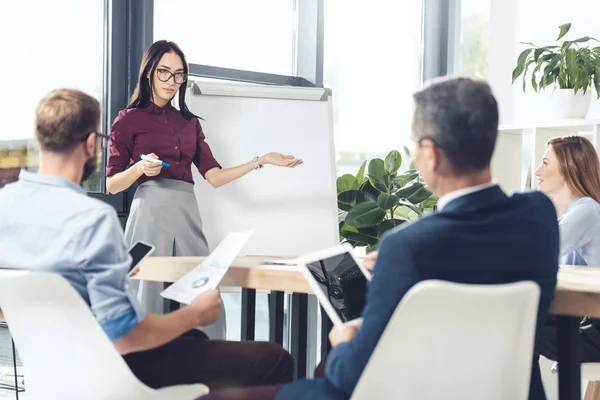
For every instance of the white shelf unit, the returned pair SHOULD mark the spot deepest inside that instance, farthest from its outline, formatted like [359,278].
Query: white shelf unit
[519,149]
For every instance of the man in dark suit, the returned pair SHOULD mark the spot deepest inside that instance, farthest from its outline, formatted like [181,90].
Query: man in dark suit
[478,235]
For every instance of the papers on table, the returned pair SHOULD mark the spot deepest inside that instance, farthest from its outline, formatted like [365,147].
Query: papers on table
[209,274]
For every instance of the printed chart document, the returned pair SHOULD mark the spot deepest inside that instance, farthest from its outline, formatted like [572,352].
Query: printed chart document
[209,274]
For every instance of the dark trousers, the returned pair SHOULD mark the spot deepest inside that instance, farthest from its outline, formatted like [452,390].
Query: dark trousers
[192,358]
[259,392]
[589,339]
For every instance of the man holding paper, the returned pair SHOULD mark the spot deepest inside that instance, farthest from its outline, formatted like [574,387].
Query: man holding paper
[48,223]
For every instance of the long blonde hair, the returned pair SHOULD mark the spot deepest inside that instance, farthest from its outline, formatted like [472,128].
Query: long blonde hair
[578,164]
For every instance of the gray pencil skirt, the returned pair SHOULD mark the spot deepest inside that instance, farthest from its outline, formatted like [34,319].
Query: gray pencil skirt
[165,214]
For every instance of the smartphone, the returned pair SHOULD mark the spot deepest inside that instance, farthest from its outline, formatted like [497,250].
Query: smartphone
[138,252]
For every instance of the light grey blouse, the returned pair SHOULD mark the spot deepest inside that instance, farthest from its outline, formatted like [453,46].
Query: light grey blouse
[580,233]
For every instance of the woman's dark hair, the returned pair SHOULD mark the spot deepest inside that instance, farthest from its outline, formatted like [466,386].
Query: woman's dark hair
[142,95]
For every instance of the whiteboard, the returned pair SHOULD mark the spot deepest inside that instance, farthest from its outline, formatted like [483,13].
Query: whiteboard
[294,211]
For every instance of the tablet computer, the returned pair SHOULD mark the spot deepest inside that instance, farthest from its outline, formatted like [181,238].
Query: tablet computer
[138,252]
[338,280]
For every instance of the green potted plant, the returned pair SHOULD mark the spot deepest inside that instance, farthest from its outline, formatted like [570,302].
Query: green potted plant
[373,202]
[567,66]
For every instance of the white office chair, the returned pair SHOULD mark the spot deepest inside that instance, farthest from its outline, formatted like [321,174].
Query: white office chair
[455,342]
[65,352]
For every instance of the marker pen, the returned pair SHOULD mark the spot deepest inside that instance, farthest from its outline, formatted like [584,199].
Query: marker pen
[154,160]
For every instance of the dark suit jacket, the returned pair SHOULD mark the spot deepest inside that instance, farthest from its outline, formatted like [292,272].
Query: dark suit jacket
[485,237]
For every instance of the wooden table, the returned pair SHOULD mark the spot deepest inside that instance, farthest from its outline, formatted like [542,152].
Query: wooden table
[246,272]
[577,295]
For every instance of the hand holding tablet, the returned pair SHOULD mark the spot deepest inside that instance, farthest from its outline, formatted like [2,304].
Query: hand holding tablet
[345,332]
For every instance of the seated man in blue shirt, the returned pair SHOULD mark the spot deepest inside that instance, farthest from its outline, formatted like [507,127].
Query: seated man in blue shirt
[479,234]
[48,223]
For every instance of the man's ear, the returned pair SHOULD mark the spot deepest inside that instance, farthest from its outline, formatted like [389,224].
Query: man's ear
[429,155]
[90,144]
[436,158]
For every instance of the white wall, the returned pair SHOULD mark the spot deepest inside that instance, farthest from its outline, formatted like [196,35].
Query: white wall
[535,21]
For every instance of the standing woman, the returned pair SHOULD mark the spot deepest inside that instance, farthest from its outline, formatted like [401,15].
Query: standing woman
[164,212]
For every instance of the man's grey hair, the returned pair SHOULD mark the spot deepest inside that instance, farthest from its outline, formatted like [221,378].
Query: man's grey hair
[460,115]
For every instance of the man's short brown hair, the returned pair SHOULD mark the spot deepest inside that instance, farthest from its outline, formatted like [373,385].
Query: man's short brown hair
[65,118]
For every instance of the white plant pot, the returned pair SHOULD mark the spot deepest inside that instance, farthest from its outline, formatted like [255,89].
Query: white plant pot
[567,104]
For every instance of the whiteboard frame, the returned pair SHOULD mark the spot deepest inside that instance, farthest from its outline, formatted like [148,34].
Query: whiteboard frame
[258,91]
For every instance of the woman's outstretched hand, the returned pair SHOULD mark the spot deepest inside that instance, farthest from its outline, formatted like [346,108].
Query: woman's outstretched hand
[280,160]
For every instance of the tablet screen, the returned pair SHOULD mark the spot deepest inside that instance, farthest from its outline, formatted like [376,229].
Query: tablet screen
[342,281]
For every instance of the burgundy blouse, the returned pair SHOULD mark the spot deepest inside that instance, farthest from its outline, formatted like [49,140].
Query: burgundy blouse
[164,132]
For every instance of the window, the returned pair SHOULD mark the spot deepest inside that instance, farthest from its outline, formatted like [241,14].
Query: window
[372,63]
[44,53]
[254,35]
[475,38]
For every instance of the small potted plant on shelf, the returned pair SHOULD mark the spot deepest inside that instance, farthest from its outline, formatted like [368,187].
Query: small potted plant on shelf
[371,203]
[568,66]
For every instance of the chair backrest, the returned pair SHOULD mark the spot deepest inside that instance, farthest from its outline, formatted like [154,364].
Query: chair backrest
[65,352]
[456,342]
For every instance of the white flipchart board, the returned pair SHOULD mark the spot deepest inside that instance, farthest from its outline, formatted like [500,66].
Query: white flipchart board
[294,211]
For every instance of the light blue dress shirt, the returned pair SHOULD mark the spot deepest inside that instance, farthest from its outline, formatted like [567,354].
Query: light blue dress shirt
[580,233]
[48,223]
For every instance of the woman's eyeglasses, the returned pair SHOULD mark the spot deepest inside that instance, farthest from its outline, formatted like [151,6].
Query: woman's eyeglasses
[164,75]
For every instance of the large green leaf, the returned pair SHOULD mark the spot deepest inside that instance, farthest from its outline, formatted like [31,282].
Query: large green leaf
[371,231]
[388,224]
[345,206]
[408,191]
[571,65]
[580,40]
[533,77]
[368,188]
[360,238]
[419,196]
[345,228]
[549,56]
[365,215]
[356,237]
[362,197]
[350,198]
[537,53]
[525,73]
[404,204]
[346,182]
[392,162]
[588,65]
[356,197]
[387,201]
[430,202]
[377,174]
[564,29]
[378,184]
[549,71]
[361,173]
[520,64]
[405,178]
